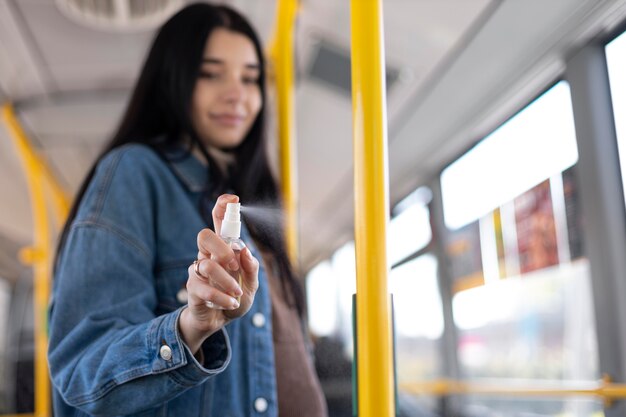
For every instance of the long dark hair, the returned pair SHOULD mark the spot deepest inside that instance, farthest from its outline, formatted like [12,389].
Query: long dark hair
[158,115]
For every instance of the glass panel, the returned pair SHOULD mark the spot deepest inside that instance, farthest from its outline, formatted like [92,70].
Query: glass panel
[344,272]
[409,231]
[531,321]
[500,407]
[616,60]
[536,326]
[7,378]
[522,290]
[330,286]
[533,145]
[321,290]
[418,329]
[418,318]
[17,346]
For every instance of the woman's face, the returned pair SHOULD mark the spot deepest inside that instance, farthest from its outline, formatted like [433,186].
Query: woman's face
[227,97]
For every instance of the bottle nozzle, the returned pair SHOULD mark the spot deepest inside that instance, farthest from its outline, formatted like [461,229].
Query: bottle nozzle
[232,212]
[231,226]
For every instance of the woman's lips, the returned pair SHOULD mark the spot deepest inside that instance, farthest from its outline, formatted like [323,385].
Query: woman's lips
[228,119]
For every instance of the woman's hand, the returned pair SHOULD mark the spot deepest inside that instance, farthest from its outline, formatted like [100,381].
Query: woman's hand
[215,284]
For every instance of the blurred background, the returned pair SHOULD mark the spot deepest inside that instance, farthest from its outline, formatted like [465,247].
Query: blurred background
[506,126]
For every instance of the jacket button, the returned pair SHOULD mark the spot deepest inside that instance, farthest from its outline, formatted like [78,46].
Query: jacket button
[258,320]
[181,296]
[260,405]
[165,352]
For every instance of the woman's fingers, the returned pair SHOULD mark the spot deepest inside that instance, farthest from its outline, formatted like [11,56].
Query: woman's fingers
[214,298]
[212,274]
[219,210]
[211,292]
[249,269]
[249,284]
[212,246]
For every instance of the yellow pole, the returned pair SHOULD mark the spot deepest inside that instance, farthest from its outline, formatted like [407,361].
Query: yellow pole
[604,389]
[40,254]
[283,57]
[373,307]
[61,201]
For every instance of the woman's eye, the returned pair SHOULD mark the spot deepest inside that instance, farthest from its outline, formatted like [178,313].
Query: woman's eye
[208,75]
[251,80]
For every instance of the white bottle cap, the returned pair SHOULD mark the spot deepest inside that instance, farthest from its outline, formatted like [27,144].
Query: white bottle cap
[231,226]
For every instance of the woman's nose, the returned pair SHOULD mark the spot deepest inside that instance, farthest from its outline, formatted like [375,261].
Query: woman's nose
[234,91]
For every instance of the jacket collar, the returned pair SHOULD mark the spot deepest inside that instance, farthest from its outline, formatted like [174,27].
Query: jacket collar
[188,169]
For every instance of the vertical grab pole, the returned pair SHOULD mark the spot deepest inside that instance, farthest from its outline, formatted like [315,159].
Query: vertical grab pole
[283,58]
[39,256]
[375,374]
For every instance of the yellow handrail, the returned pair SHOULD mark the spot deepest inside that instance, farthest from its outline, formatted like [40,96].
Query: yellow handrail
[61,201]
[375,380]
[281,52]
[40,254]
[604,389]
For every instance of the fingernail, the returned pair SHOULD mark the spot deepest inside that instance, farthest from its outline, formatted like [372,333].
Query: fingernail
[238,292]
[233,265]
[249,254]
[235,304]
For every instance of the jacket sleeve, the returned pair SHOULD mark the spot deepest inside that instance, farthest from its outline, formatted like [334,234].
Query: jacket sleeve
[109,354]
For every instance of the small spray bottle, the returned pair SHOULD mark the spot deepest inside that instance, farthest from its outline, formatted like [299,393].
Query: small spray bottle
[230,232]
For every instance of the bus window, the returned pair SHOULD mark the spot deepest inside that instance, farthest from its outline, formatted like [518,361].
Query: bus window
[535,144]
[616,61]
[322,300]
[418,329]
[417,306]
[330,286]
[522,294]
[409,229]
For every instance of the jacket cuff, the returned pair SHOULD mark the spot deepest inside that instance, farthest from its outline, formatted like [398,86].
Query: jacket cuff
[172,354]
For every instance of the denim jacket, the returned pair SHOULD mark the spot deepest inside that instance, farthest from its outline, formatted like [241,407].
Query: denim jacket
[115,348]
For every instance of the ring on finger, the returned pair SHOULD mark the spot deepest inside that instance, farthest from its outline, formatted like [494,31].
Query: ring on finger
[196,268]
[209,304]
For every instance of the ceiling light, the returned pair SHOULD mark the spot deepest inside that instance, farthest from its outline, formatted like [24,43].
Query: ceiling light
[119,15]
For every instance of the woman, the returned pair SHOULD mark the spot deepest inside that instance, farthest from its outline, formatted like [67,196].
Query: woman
[131,332]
